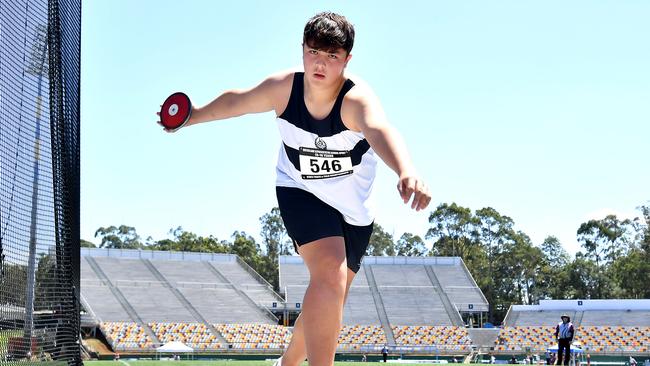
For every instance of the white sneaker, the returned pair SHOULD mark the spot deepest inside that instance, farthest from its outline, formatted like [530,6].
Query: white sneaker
[278,362]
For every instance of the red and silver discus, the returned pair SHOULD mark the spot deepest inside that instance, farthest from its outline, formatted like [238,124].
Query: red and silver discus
[175,111]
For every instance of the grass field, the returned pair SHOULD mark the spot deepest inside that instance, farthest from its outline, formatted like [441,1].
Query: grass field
[184,363]
[210,363]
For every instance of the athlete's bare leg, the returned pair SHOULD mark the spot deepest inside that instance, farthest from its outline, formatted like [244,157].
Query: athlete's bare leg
[296,352]
[322,308]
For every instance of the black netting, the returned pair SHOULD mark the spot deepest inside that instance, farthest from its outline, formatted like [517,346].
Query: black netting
[39,180]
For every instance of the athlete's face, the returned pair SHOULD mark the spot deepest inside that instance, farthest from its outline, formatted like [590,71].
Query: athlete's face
[324,66]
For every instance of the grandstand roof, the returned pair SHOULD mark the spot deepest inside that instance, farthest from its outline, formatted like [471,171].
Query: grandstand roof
[587,304]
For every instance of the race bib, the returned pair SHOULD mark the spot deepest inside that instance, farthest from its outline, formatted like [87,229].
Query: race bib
[322,164]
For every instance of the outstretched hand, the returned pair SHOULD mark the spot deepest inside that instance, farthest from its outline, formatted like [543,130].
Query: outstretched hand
[161,125]
[412,186]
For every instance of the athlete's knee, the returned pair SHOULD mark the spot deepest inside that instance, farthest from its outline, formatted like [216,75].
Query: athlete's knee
[332,279]
[334,276]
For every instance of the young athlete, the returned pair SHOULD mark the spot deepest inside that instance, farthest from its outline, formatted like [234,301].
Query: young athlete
[332,128]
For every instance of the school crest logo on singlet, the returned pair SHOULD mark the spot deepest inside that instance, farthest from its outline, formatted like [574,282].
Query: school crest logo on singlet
[320,143]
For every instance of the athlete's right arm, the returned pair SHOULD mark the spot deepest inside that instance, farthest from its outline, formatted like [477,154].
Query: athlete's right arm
[264,97]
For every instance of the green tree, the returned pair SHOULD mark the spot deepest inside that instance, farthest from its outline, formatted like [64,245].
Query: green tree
[516,268]
[493,231]
[583,278]
[247,249]
[2,262]
[554,253]
[46,286]
[274,234]
[605,241]
[410,245]
[13,284]
[122,237]
[553,271]
[527,264]
[186,241]
[645,229]
[451,230]
[381,242]
[632,274]
[86,244]
[277,242]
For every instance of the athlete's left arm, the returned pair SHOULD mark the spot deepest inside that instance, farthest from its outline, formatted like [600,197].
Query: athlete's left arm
[363,112]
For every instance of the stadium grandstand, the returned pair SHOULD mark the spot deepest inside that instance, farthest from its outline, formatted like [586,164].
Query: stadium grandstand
[399,301]
[143,299]
[138,300]
[606,327]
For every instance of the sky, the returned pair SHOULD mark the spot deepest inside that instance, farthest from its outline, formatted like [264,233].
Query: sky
[540,110]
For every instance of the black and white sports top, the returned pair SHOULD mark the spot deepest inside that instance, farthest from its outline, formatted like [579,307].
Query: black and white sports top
[324,157]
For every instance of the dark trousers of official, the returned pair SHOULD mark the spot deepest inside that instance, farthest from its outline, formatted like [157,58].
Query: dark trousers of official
[563,345]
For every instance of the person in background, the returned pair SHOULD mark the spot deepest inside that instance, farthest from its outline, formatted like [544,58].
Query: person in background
[384,353]
[564,332]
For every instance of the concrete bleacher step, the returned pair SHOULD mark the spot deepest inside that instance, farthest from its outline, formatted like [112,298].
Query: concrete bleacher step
[473,281]
[262,310]
[460,287]
[408,296]
[197,315]
[122,299]
[483,338]
[379,304]
[511,318]
[216,272]
[454,315]
[578,320]
[256,276]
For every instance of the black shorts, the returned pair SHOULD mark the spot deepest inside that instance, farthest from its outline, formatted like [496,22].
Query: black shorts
[307,218]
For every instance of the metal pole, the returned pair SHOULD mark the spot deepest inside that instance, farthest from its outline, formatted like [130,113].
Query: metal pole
[39,55]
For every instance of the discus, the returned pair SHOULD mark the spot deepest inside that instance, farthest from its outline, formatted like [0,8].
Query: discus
[175,111]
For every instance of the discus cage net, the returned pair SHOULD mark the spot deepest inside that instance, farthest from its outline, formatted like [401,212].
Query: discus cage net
[39,181]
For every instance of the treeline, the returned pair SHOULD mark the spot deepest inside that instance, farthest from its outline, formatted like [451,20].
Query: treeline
[47,291]
[263,257]
[614,260]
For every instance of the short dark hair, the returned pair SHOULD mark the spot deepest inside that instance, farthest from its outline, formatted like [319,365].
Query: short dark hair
[329,31]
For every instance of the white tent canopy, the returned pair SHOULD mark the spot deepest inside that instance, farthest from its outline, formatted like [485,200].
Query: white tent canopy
[574,349]
[174,347]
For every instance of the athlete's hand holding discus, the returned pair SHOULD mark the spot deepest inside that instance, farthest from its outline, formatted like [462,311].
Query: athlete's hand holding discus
[175,112]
